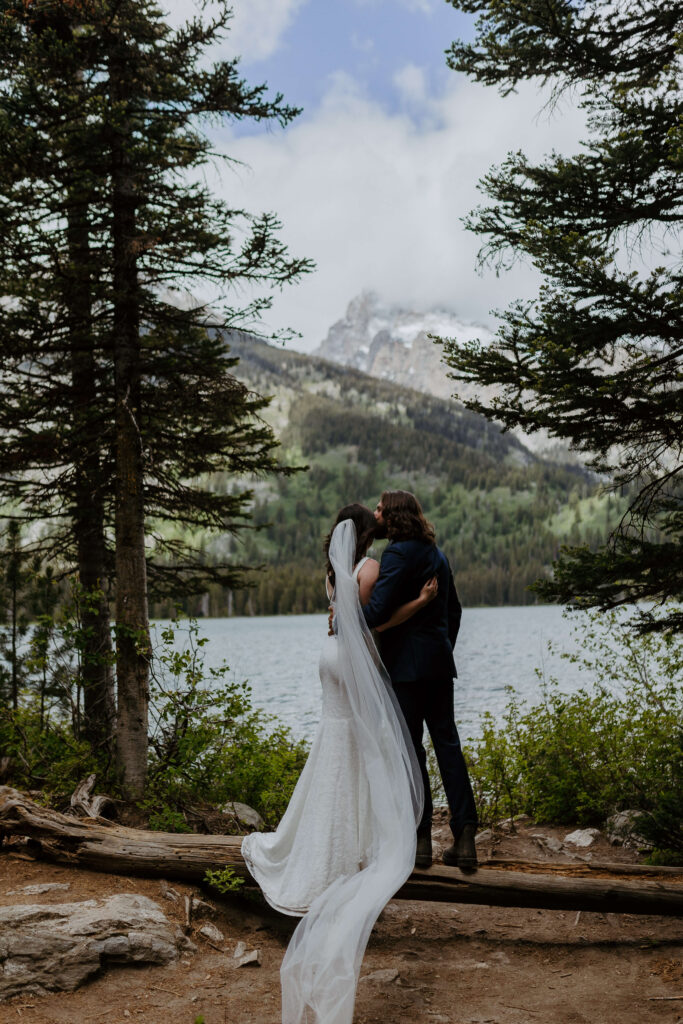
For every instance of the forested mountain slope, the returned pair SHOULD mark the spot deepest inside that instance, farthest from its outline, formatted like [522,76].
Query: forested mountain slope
[500,512]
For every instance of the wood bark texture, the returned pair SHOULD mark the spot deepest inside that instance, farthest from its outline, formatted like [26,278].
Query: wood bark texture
[132,623]
[99,704]
[104,846]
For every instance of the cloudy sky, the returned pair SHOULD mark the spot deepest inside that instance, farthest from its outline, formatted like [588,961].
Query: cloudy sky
[372,179]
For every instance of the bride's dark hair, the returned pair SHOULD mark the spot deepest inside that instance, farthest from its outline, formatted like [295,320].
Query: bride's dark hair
[364,521]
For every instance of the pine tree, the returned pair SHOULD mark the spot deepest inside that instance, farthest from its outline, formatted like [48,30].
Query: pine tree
[596,358]
[119,399]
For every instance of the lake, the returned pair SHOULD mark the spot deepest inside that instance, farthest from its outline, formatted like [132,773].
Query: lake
[496,648]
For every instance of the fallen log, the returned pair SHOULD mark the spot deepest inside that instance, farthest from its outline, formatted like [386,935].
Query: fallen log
[105,846]
[584,867]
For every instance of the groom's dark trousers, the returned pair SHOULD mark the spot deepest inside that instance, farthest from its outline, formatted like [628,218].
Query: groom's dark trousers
[418,656]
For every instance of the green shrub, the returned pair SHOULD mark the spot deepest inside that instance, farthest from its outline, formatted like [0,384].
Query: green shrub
[43,735]
[615,744]
[44,753]
[223,880]
[208,744]
[167,819]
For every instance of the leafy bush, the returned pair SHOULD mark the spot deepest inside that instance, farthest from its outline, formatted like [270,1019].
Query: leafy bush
[41,737]
[208,744]
[615,744]
[44,753]
[223,880]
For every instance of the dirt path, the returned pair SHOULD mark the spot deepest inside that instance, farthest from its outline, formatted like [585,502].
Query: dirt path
[439,964]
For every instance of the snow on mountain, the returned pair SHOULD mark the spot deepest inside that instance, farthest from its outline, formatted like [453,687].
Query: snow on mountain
[393,343]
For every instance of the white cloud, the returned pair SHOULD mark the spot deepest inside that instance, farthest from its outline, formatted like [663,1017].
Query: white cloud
[256,28]
[376,198]
[411,84]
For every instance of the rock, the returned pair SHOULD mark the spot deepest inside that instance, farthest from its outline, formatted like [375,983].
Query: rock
[240,950]
[383,977]
[393,343]
[35,890]
[169,893]
[549,843]
[622,830]
[244,814]
[582,837]
[47,947]
[250,959]
[508,824]
[212,934]
[483,837]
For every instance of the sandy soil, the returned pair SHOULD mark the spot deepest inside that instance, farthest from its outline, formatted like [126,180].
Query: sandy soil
[440,963]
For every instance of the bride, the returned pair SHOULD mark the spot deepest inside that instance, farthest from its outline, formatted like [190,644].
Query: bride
[346,842]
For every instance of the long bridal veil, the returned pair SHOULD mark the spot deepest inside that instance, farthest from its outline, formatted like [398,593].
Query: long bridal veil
[320,970]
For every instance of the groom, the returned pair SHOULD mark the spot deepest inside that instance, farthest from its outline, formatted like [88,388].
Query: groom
[418,655]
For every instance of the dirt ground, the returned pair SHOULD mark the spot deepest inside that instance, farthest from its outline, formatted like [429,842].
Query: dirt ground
[440,963]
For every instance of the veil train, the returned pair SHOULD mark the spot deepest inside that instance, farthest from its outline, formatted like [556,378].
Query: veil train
[320,969]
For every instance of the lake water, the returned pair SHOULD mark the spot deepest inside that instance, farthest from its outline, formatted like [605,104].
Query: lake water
[496,648]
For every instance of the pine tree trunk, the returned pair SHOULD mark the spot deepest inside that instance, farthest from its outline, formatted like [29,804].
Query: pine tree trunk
[96,663]
[15,629]
[132,622]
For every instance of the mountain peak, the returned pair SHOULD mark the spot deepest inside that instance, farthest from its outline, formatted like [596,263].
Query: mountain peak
[392,342]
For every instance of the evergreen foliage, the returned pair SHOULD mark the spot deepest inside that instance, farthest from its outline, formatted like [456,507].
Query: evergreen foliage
[616,744]
[117,400]
[596,358]
[60,110]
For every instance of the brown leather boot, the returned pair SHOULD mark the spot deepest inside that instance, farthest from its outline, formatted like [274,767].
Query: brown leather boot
[423,854]
[463,852]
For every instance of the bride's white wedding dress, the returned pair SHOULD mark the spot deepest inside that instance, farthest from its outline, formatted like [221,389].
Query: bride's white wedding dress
[324,831]
[346,843]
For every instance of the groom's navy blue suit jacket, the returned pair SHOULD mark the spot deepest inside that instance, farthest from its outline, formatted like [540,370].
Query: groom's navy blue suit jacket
[421,647]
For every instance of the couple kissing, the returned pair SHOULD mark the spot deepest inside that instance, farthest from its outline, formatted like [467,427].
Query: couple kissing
[359,820]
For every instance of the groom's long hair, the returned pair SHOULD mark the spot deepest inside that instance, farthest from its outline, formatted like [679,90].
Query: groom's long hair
[364,521]
[404,517]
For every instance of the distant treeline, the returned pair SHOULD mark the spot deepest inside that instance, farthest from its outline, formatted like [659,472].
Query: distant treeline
[500,513]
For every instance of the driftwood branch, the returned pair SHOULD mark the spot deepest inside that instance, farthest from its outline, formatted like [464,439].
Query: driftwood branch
[84,803]
[105,846]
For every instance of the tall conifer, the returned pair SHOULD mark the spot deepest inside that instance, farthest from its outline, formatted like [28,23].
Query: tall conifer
[119,399]
[597,358]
